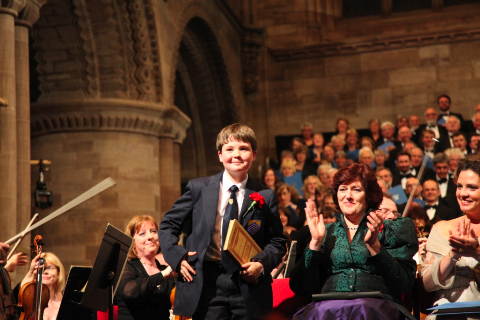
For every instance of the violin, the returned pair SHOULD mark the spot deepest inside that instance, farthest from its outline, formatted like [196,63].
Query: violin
[33,296]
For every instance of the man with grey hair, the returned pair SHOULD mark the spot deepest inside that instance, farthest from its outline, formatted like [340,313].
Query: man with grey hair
[440,132]
[453,125]
[387,130]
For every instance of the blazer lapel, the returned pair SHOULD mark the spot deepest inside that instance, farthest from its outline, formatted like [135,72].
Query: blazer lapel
[210,201]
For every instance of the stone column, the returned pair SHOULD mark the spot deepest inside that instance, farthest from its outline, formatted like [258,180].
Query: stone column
[26,18]
[8,134]
[89,140]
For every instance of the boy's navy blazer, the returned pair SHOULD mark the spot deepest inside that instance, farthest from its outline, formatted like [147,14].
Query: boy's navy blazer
[195,211]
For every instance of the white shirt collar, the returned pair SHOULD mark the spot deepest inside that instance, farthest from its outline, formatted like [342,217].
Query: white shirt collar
[227,182]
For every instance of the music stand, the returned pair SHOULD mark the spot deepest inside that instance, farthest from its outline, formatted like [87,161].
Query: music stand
[70,308]
[107,269]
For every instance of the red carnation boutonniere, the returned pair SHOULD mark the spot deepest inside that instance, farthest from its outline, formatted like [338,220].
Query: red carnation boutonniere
[257,199]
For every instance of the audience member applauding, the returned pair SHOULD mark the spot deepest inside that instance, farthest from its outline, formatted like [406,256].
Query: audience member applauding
[382,259]
[453,251]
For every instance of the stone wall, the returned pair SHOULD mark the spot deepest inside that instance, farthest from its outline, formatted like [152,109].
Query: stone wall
[366,67]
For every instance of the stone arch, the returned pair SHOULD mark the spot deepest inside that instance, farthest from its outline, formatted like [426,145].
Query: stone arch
[203,92]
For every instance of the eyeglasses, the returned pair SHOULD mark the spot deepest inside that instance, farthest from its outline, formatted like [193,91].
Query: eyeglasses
[386,210]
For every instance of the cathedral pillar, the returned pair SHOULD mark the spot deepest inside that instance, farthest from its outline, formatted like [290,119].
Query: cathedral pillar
[26,18]
[134,142]
[8,142]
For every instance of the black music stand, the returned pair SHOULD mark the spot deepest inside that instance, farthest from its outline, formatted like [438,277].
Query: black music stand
[108,267]
[70,308]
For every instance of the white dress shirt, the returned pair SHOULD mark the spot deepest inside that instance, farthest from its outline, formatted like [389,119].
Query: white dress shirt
[213,251]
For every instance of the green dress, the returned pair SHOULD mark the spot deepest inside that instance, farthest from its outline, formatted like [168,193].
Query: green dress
[343,266]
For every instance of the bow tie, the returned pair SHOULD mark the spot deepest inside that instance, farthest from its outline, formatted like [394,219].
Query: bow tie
[430,207]
[444,180]
[407,175]
[431,126]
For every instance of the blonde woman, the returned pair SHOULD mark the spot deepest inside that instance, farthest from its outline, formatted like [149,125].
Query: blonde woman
[147,281]
[53,277]
[290,175]
[311,186]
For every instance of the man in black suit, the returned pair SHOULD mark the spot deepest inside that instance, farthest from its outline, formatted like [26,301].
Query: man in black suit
[440,132]
[460,141]
[444,102]
[416,157]
[446,184]
[403,170]
[213,285]
[474,144]
[475,125]
[435,207]
[453,126]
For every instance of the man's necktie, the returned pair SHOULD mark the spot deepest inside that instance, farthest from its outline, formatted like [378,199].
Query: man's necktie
[430,207]
[440,181]
[231,212]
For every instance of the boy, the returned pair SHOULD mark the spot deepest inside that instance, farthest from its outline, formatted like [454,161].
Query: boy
[212,284]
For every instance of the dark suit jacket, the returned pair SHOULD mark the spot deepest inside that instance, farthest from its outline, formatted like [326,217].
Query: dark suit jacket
[444,212]
[195,211]
[458,115]
[443,140]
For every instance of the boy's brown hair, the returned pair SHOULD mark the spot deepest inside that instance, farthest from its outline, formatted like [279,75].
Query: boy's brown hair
[238,132]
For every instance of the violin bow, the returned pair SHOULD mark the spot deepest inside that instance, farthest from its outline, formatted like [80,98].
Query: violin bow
[100,187]
[10,253]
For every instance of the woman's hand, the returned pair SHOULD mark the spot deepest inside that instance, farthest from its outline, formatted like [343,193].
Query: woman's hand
[32,271]
[375,225]
[18,259]
[463,240]
[315,225]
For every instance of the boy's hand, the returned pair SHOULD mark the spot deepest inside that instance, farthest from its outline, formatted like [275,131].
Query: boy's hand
[186,270]
[251,271]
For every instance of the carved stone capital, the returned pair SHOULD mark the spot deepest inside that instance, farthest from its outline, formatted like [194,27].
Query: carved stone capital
[12,7]
[30,13]
[116,115]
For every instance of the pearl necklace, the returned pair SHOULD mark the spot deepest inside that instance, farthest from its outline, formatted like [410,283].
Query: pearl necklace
[352,228]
